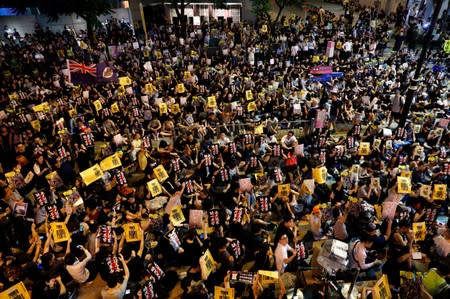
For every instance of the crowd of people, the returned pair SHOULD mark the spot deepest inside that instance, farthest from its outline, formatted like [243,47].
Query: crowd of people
[222,155]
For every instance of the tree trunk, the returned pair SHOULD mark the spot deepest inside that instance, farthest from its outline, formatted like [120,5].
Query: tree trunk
[90,24]
[280,9]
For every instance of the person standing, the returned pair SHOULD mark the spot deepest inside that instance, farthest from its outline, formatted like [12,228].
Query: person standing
[114,288]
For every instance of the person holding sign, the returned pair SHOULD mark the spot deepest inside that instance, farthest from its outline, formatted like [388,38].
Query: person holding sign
[80,270]
[114,288]
[282,258]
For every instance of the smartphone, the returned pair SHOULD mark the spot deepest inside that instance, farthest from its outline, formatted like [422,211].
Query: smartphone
[127,292]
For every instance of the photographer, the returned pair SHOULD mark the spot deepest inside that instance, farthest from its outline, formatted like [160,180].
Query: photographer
[358,253]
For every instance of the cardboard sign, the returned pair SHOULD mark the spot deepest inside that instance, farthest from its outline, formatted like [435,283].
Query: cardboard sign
[91,174]
[54,180]
[364,148]
[43,107]
[403,185]
[375,182]
[60,232]
[110,162]
[180,88]
[17,291]
[223,293]
[381,289]
[176,216]
[320,174]
[284,189]
[160,173]
[248,95]
[123,81]
[207,264]
[308,186]
[154,187]
[419,230]
[264,28]
[36,125]
[439,192]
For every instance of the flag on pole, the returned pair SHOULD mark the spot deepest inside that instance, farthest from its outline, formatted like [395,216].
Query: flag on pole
[80,72]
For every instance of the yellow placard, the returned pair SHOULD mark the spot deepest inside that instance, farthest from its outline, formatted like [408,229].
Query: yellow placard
[17,291]
[187,75]
[264,28]
[91,174]
[284,189]
[124,81]
[132,232]
[320,174]
[381,289]
[149,88]
[447,46]
[121,90]
[315,58]
[36,124]
[158,54]
[249,95]
[439,192]
[60,232]
[176,216]
[268,277]
[154,187]
[180,88]
[162,108]
[114,107]
[259,130]
[110,162]
[160,173]
[406,173]
[43,107]
[403,185]
[425,191]
[13,97]
[419,230]
[98,105]
[308,186]
[212,102]
[223,293]
[364,148]
[207,264]
[175,109]
[251,107]
[72,112]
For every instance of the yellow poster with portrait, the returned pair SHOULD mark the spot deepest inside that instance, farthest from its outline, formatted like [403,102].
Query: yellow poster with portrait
[155,187]
[223,293]
[248,95]
[180,88]
[124,81]
[320,174]
[176,216]
[403,185]
[439,192]
[114,107]
[187,75]
[364,149]
[91,174]
[110,162]
[212,103]
[264,28]
[207,264]
[17,291]
[60,233]
[160,173]
[132,232]
[36,125]
[381,289]
[284,189]
[259,130]
[419,231]
[425,191]
[175,109]
[162,108]
[149,88]
[268,277]
[121,90]
[98,105]
[251,107]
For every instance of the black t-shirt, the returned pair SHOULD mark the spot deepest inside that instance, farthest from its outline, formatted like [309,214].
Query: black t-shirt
[136,267]
[42,290]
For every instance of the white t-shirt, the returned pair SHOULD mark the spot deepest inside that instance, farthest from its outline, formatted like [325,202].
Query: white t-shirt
[281,253]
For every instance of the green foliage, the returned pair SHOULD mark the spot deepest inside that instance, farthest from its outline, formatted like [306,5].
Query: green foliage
[284,3]
[261,7]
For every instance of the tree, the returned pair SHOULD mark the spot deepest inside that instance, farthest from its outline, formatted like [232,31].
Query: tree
[262,7]
[89,10]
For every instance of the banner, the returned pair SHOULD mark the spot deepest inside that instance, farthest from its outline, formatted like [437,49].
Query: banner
[132,232]
[321,69]
[81,73]
[110,162]
[124,81]
[60,232]
[91,174]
